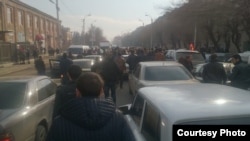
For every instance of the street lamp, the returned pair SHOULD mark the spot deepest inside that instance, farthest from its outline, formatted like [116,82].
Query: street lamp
[83,27]
[93,33]
[151,36]
[59,24]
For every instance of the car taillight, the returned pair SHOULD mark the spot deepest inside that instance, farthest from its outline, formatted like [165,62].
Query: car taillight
[6,137]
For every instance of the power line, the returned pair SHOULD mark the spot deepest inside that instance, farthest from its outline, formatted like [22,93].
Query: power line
[68,9]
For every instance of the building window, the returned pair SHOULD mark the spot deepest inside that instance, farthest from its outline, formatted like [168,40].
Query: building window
[35,20]
[9,15]
[20,17]
[28,21]
[41,23]
[46,24]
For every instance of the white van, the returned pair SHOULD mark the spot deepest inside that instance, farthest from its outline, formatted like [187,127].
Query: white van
[77,49]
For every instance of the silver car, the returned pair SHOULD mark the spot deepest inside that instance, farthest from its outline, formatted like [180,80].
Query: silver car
[154,73]
[26,107]
[85,64]
[175,55]
[157,113]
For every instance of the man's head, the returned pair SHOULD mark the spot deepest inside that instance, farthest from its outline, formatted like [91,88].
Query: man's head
[236,58]
[89,84]
[213,58]
[64,55]
[74,72]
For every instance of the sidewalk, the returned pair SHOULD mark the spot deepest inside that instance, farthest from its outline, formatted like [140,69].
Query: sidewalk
[9,67]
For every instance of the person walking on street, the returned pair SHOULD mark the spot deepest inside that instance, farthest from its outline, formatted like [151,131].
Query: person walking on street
[65,63]
[90,117]
[66,92]
[120,62]
[240,76]
[188,63]
[40,66]
[110,73]
[214,72]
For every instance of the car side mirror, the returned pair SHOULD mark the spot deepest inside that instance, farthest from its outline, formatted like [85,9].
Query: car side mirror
[125,109]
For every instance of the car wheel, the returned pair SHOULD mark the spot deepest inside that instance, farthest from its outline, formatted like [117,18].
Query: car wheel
[41,133]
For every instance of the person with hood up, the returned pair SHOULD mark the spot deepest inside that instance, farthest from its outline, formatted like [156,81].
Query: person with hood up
[90,117]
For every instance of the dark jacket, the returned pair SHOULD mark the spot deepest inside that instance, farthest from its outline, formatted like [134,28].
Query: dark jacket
[65,64]
[64,93]
[132,61]
[240,76]
[89,119]
[40,66]
[110,71]
[214,72]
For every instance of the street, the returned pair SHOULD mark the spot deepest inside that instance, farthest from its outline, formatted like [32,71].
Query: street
[123,96]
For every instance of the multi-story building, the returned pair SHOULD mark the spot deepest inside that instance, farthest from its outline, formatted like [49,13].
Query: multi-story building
[23,25]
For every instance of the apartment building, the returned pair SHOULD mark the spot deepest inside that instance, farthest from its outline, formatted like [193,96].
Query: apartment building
[21,24]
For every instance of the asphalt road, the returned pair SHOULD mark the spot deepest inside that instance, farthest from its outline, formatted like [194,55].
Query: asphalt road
[123,96]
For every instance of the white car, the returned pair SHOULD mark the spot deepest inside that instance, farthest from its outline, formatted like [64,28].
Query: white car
[174,55]
[26,106]
[153,73]
[158,112]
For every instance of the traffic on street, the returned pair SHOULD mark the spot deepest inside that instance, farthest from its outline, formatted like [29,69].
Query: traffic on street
[95,74]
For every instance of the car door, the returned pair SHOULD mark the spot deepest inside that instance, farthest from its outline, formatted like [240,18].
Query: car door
[135,79]
[151,123]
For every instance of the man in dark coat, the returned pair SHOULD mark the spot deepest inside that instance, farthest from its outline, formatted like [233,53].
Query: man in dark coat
[65,63]
[40,66]
[90,117]
[66,92]
[214,72]
[240,76]
[110,73]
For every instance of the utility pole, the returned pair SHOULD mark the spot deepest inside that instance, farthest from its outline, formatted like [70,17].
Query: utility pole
[83,27]
[58,23]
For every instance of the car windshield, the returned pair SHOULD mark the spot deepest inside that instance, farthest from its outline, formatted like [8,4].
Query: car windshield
[75,50]
[84,64]
[195,56]
[166,73]
[12,94]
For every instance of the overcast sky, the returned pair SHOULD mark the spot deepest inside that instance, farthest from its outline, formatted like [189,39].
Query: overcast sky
[114,17]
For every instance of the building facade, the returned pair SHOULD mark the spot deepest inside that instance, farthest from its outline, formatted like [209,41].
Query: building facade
[23,25]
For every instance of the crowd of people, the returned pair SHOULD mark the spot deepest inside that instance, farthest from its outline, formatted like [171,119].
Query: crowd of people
[85,103]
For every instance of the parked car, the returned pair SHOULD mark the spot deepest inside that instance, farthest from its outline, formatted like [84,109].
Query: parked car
[26,107]
[221,57]
[85,64]
[95,57]
[174,55]
[198,69]
[157,111]
[153,73]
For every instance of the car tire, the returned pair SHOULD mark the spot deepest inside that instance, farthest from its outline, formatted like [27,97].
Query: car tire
[41,133]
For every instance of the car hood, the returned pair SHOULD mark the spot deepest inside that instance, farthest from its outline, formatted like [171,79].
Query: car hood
[159,83]
[5,113]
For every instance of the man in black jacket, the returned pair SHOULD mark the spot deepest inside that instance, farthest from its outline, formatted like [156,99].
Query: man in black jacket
[110,74]
[65,63]
[214,71]
[66,92]
[240,76]
[90,117]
